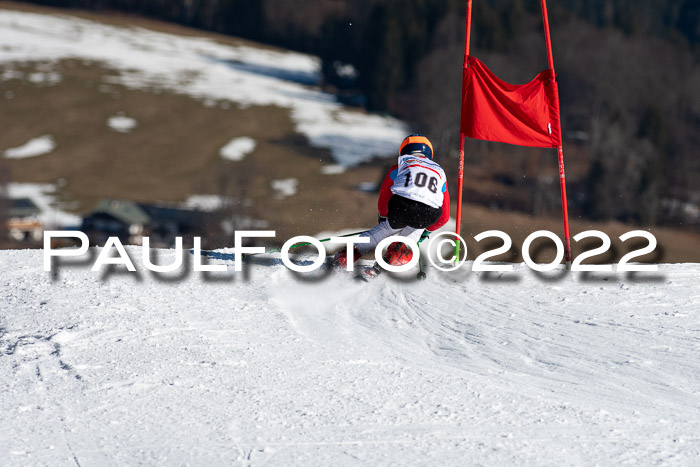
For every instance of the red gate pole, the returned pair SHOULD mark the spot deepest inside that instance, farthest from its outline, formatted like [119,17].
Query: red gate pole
[560,149]
[460,177]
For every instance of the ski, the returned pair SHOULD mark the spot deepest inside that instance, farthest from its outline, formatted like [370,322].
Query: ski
[369,273]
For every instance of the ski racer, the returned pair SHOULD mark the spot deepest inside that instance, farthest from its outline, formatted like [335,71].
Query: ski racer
[413,201]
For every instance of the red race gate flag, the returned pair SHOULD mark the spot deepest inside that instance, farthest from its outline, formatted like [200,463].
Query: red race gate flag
[493,110]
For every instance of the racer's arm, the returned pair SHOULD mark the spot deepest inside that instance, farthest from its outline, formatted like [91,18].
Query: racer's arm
[445,216]
[385,191]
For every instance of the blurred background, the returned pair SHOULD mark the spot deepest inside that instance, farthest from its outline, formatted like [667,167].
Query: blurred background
[200,117]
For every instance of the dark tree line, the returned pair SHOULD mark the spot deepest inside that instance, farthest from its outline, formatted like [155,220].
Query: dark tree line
[385,39]
[629,100]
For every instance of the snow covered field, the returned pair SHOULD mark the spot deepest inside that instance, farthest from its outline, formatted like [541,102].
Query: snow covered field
[32,148]
[265,368]
[201,68]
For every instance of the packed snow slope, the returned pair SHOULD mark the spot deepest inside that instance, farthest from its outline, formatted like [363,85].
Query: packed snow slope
[268,367]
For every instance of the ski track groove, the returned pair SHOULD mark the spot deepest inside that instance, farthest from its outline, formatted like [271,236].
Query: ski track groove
[450,339]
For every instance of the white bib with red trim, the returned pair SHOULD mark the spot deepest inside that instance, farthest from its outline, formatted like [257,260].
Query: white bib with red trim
[420,179]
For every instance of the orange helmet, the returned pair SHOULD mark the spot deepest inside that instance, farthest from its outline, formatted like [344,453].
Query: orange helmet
[416,144]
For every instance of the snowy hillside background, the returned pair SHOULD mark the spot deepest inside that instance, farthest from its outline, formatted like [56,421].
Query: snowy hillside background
[163,116]
[263,368]
[203,69]
[117,107]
